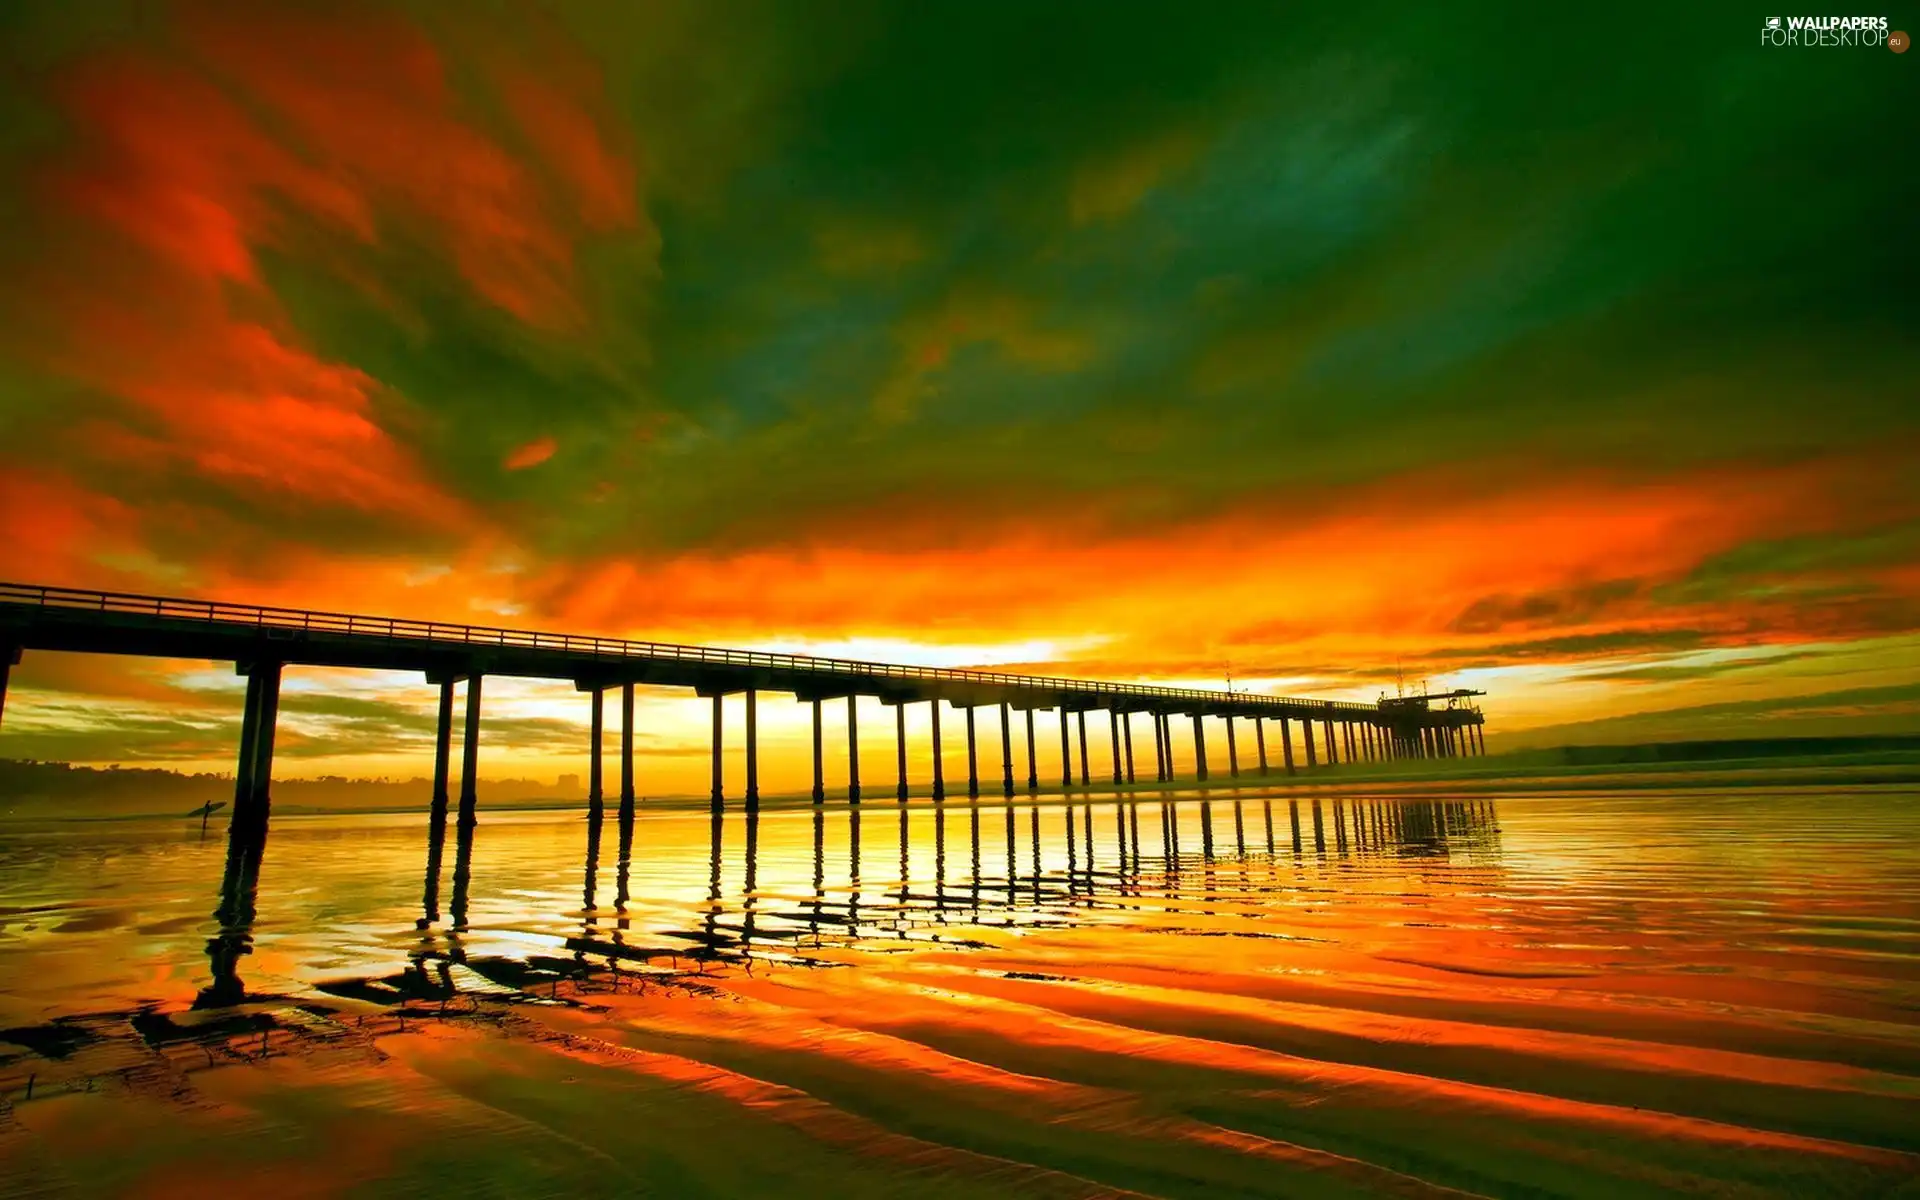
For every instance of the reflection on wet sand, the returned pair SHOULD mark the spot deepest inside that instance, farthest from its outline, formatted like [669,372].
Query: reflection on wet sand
[1168,996]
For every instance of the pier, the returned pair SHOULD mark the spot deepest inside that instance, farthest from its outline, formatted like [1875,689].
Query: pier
[261,642]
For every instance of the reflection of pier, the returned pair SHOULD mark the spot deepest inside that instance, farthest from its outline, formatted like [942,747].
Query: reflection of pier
[1051,866]
[263,641]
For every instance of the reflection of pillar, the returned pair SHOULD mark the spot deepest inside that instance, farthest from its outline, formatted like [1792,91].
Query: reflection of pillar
[853,751]
[939,762]
[1081,718]
[973,761]
[900,747]
[753,747]
[718,794]
[1233,751]
[1113,735]
[1006,749]
[1126,732]
[819,770]
[1260,737]
[1199,749]
[1033,762]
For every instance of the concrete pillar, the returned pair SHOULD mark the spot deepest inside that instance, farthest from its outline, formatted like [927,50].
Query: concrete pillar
[1081,718]
[1113,735]
[626,753]
[1233,751]
[718,774]
[263,745]
[973,761]
[1426,742]
[753,747]
[900,747]
[9,655]
[853,751]
[1006,749]
[1033,762]
[470,754]
[1126,732]
[1260,737]
[819,767]
[1480,735]
[1286,744]
[249,735]
[1353,747]
[939,762]
[1326,733]
[1066,752]
[1306,739]
[596,737]
[442,753]
[1199,749]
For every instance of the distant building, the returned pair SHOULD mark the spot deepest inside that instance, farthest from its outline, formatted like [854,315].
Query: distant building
[568,783]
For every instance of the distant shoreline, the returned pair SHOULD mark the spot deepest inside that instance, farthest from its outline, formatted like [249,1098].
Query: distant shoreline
[1882,762]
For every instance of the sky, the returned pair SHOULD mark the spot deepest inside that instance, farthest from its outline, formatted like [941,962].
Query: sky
[1565,355]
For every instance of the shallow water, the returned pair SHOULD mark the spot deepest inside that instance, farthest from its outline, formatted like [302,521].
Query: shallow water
[1582,995]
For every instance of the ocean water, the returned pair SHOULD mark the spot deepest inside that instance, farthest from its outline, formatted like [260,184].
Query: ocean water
[1253,993]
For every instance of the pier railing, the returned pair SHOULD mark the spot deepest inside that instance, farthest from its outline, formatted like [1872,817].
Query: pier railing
[213,612]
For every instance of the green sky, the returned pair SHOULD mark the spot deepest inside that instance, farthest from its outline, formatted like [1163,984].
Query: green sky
[1566,351]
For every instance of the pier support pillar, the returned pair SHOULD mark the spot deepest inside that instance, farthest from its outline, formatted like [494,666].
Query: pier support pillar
[1033,762]
[1233,751]
[853,751]
[1113,735]
[596,740]
[9,656]
[1286,745]
[442,754]
[1066,752]
[249,736]
[939,762]
[1126,732]
[719,776]
[973,759]
[1353,746]
[1326,732]
[753,747]
[626,756]
[1260,737]
[1006,749]
[1306,740]
[470,754]
[819,771]
[1199,749]
[900,748]
[1085,777]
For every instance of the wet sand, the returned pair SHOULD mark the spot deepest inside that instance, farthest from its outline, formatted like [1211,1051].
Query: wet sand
[1686,991]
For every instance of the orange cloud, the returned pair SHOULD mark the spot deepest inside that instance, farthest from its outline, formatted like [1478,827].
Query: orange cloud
[531,455]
